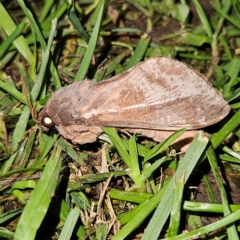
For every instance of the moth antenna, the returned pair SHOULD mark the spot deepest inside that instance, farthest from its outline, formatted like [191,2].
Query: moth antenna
[33,110]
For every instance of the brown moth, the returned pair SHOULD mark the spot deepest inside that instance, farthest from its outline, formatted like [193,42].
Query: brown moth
[157,95]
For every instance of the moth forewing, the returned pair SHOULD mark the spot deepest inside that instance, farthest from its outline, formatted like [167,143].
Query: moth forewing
[159,93]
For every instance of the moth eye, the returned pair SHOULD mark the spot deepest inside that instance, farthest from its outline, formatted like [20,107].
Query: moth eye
[47,122]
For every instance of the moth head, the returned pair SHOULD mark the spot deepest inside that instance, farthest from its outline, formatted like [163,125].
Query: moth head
[45,121]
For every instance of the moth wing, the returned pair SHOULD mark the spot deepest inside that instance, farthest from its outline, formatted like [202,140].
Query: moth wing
[160,93]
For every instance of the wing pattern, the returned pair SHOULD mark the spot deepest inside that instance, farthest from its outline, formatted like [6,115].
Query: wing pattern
[159,93]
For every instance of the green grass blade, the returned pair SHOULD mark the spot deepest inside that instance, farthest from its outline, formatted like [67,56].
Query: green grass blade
[209,228]
[154,227]
[207,207]
[231,230]
[136,216]
[6,233]
[11,38]
[163,145]
[139,51]
[203,18]
[186,165]
[51,139]
[41,40]
[135,197]
[236,5]
[82,72]
[58,13]
[46,8]
[101,231]
[105,71]
[75,21]
[225,15]
[70,151]
[149,171]
[135,168]
[9,27]
[23,120]
[119,145]
[37,206]
[69,225]
[175,217]
[228,128]
[17,138]
[13,92]
[37,86]
[9,215]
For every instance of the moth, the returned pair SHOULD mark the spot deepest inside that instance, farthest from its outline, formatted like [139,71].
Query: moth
[154,97]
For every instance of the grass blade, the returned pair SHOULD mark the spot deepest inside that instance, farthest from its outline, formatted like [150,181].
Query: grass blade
[117,142]
[40,199]
[163,145]
[69,225]
[186,165]
[9,27]
[91,45]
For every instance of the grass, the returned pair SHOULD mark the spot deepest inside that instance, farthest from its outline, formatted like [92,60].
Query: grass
[118,187]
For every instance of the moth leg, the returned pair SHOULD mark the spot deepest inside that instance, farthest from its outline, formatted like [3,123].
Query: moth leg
[80,134]
[86,137]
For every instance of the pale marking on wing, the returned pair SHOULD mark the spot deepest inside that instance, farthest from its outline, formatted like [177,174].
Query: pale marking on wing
[95,112]
[137,106]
